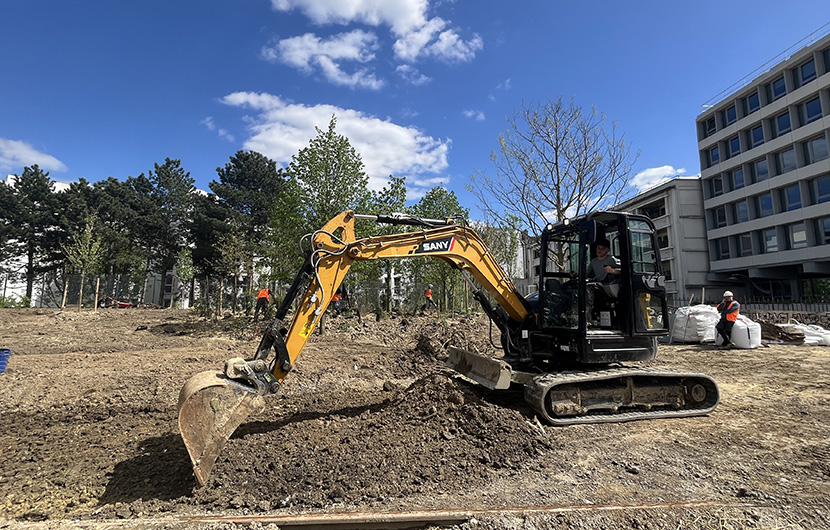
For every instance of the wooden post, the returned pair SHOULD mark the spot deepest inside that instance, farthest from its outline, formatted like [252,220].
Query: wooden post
[97,286]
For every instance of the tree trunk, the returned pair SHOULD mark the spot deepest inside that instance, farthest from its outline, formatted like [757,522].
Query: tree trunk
[388,287]
[65,292]
[172,290]
[221,294]
[235,292]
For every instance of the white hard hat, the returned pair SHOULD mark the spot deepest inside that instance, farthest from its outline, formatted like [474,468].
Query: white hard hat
[728,293]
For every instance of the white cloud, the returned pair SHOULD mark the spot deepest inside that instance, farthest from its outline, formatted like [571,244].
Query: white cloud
[477,115]
[417,35]
[280,129]
[211,126]
[401,15]
[411,75]
[310,53]
[433,40]
[15,154]
[650,177]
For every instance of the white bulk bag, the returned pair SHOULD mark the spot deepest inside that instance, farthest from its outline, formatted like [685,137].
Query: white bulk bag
[695,323]
[746,333]
[814,335]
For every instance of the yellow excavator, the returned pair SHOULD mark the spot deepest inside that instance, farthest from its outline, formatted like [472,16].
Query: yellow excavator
[566,343]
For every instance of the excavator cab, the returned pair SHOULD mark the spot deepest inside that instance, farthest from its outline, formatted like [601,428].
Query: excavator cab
[588,316]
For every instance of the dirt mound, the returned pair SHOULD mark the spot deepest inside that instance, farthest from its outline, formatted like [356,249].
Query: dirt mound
[437,435]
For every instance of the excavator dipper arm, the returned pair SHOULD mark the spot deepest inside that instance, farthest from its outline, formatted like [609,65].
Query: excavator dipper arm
[213,404]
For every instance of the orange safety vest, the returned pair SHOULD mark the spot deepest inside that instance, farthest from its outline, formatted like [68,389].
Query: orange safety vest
[733,316]
[263,293]
[335,298]
[428,293]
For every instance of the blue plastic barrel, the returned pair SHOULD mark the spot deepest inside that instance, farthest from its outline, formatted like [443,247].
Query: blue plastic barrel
[4,359]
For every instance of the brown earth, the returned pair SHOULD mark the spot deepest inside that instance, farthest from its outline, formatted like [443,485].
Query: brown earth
[371,421]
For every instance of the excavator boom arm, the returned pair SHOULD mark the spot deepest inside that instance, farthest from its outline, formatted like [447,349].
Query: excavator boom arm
[213,404]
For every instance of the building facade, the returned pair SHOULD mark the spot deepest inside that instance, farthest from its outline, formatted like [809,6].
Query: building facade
[676,208]
[765,170]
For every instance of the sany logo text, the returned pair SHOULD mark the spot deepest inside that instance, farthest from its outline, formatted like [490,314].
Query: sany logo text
[439,245]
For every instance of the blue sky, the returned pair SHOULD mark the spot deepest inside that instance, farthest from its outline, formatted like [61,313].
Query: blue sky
[422,88]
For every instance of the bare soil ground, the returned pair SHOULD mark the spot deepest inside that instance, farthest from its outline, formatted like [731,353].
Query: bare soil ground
[371,421]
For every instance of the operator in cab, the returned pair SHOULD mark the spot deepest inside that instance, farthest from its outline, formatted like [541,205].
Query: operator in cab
[604,267]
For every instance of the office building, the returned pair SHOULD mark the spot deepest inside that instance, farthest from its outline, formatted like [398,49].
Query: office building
[765,173]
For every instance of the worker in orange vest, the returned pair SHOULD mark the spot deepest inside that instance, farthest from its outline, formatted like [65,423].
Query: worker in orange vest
[428,294]
[728,309]
[263,298]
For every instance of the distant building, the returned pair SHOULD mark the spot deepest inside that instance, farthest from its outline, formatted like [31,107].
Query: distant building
[676,207]
[765,172]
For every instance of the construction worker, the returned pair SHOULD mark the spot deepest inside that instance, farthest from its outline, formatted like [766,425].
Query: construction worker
[263,298]
[429,301]
[728,309]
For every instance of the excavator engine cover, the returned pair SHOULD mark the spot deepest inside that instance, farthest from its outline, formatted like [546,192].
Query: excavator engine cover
[211,407]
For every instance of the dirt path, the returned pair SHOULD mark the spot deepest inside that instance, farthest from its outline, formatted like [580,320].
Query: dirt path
[371,421]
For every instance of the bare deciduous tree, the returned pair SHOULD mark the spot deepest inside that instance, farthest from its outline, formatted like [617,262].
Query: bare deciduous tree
[554,162]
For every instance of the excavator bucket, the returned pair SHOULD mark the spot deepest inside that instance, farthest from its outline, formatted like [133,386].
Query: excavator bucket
[211,407]
[494,374]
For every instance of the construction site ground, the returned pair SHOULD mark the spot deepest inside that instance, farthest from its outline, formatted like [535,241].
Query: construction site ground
[371,422]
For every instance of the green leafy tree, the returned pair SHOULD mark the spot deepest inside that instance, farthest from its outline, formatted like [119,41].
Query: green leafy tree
[8,229]
[503,241]
[329,177]
[555,161]
[83,251]
[248,186]
[185,271]
[36,222]
[439,203]
[390,199]
[172,190]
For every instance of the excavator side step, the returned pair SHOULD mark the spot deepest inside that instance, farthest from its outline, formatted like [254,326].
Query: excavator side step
[620,394]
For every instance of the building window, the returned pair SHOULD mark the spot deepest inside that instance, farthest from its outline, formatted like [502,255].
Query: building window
[791,198]
[729,116]
[822,189]
[734,146]
[655,209]
[666,266]
[763,205]
[755,137]
[663,238]
[717,186]
[823,232]
[785,161]
[722,248]
[742,211]
[737,179]
[760,170]
[804,73]
[713,155]
[826,54]
[776,89]
[810,111]
[709,127]
[751,103]
[796,236]
[719,217]
[769,240]
[815,149]
[745,245]
[781,124]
